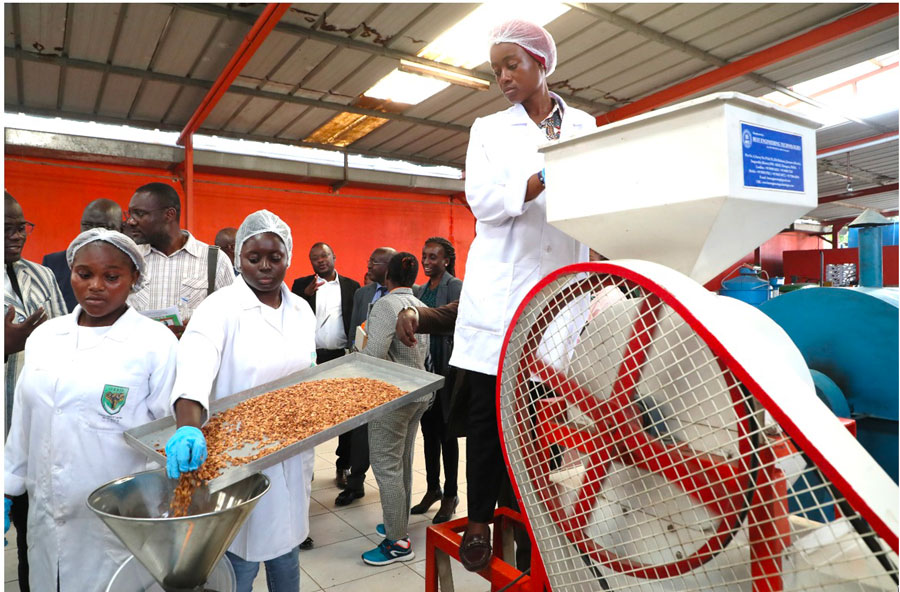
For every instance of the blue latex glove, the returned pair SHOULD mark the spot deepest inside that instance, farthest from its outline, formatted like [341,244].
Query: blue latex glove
[7,504]
[185,451]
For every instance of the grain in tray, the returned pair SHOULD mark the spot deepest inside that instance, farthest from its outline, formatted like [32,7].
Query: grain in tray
[278,419]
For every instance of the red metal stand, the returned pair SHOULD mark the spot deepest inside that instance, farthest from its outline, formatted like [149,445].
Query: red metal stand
[442,544]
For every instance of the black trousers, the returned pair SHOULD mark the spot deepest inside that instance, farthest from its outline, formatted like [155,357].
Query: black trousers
[485,468]
[488,480]
[359,457]
[343,449]
[18,515]
[437,444]
[353,446]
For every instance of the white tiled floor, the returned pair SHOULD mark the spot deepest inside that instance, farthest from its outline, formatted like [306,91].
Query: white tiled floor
[341,535]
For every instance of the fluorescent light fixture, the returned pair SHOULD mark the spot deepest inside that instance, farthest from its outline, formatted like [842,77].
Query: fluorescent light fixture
[465,43]
[444,75]
[401,87]
[455,47]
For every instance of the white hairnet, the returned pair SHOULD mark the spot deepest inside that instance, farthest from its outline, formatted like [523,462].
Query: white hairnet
[532,38]
[258,223]
[116,239]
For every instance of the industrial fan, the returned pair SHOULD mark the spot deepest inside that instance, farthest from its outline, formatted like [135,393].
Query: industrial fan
[661,437]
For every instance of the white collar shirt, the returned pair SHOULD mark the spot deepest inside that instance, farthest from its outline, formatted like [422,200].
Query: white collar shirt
[79,390]
[514,247]
[329,316]
[234,343]
[180,279]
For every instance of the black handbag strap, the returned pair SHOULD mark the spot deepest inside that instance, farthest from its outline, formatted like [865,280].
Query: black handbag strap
[212,260]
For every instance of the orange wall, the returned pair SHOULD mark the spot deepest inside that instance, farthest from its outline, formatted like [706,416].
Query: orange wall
[354,221]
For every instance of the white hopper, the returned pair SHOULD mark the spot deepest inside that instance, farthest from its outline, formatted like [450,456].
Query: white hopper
[695,186]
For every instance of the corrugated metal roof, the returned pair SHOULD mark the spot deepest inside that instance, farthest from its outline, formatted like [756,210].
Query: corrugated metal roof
[867,166]
[850,208]
[151,64]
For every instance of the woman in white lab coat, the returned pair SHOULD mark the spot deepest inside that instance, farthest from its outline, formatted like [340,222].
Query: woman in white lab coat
[244,335]
[88,376]
[514,247]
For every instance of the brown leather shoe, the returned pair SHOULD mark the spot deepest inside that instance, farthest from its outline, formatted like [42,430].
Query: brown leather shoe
[448,507]
[475,551]
[428,500]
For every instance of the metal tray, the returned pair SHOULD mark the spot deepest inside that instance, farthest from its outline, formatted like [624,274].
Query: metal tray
[151,436]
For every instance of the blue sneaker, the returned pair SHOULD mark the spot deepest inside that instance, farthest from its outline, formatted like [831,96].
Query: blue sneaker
[389,552]
[380,530]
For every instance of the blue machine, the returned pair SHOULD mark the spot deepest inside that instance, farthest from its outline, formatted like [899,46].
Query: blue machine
[849,338]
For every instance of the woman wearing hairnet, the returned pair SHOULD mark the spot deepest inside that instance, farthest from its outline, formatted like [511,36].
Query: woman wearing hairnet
[249,333]
[513,248]
[88,376]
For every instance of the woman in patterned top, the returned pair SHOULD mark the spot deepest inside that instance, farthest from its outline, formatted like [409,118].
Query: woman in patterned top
[392,435]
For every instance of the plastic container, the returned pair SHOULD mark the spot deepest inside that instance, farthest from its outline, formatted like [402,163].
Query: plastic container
[748,286]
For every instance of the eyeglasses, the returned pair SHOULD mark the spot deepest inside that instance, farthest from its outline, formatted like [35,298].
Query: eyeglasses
[138,214]
[25,228]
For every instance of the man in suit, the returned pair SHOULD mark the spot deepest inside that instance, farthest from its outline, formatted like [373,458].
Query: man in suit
[100,213]
[359,437]
[331,298]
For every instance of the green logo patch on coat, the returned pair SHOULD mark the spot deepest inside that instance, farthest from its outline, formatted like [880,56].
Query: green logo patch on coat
[113,398]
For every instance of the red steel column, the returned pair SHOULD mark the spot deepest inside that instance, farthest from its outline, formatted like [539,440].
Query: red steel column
[267,20]
[797,45]
[189,183]
[264,24]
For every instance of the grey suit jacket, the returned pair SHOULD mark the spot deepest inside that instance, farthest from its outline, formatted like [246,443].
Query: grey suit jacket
[362,300]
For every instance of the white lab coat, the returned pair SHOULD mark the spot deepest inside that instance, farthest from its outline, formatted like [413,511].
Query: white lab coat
[514,247]
[64,444]
[229,346]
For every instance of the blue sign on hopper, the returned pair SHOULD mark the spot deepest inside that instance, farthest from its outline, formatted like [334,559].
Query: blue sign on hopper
[772,159]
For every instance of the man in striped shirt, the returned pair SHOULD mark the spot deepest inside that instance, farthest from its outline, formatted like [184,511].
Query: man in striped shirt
[178,265]
[30,296]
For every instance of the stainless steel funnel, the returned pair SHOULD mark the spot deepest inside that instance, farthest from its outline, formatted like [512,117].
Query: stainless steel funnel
[180,553]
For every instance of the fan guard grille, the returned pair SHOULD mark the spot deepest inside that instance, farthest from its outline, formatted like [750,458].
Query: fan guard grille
[643,463]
